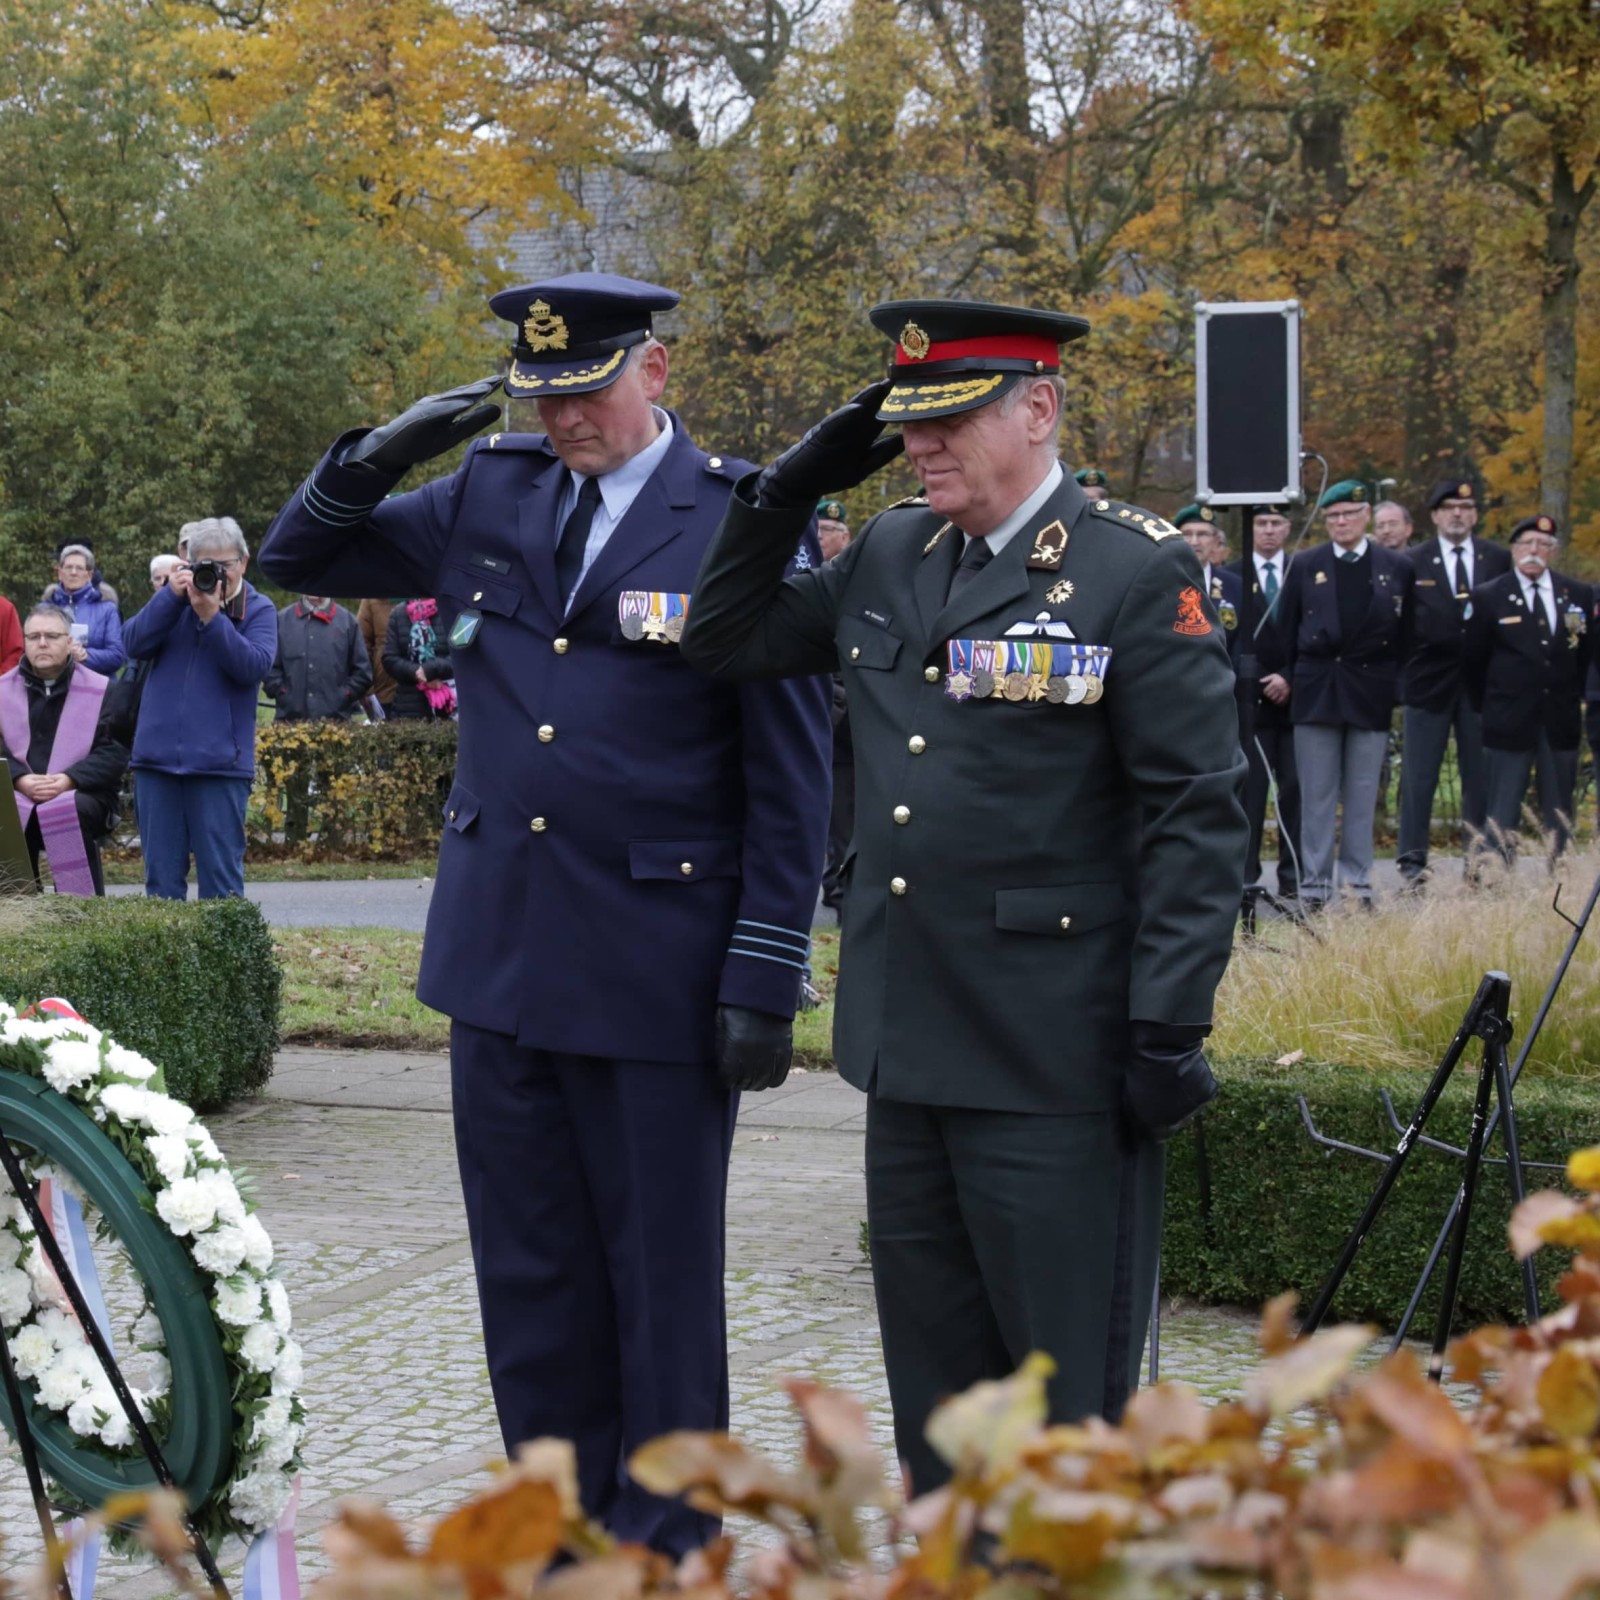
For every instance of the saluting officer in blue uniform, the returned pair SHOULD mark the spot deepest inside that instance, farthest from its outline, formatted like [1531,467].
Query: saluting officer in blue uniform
[628,873]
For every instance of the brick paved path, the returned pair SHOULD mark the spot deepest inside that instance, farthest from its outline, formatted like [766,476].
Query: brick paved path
[355,1175]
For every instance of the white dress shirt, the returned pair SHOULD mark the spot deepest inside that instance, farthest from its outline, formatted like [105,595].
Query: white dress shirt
[1542,588]
[1019,519]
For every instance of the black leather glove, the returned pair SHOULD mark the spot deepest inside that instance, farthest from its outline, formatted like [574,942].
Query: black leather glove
[436,423]
[838,453]
[1169,1080]
[754,1048]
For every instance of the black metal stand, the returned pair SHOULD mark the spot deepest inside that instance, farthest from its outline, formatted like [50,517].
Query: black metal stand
[108,1363]
[1488,1018]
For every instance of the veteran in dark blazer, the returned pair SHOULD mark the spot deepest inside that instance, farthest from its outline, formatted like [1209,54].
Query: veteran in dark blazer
[1048,851]
[1529,643]
[1346,620]
[1271,751]
[628,873]
[1447,568]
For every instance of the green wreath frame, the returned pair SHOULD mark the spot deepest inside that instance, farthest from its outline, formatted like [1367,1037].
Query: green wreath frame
[198,1444]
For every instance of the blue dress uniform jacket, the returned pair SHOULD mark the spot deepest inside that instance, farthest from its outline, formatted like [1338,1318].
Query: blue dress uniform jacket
[1431,677]
[1350,682]
[627,844]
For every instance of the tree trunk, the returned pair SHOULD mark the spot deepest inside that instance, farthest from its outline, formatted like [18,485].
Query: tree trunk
[1559,313]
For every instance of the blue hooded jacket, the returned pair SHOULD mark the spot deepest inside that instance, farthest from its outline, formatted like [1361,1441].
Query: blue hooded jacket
[198,715]
[99,616]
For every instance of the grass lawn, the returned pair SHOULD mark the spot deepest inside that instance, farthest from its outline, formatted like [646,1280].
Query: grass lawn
[353,987]
[131,870]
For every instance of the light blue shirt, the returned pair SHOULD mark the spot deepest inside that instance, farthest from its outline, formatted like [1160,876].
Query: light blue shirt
[1020,518]
[618,491]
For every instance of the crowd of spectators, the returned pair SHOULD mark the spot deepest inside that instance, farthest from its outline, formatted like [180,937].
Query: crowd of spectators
[173,694]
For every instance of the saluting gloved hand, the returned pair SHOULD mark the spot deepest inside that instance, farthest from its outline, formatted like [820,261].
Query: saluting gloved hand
[436,423]
[838,453]
[754,1048]
[1169,1079]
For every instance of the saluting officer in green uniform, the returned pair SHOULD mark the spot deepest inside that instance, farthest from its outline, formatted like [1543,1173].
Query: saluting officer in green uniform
[1048,854]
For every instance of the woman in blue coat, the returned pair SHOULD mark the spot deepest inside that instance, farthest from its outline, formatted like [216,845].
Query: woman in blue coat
[79,595]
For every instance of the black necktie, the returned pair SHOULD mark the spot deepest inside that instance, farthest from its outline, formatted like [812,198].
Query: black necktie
[574,538]
[1461,575]
[1348,556]
[973,560]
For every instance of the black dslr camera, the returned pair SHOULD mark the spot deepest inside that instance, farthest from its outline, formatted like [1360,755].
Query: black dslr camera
[206,576]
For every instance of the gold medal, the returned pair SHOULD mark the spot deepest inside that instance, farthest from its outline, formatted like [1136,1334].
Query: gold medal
[1038,686]
[1016,686]
[1093,688]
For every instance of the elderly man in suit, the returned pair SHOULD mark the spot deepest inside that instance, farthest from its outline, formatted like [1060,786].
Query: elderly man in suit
[628,872]
[1447,568]
[1346,619]
[1529,642]
[1048,850]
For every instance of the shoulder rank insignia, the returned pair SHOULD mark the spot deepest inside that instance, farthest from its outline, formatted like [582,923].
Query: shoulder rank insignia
[934,541]
[1049,546]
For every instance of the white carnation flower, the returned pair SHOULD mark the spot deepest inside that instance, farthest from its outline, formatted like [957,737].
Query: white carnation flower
[278,1304]
[204,1145]
[274,1418]
[116,1431]
[84,1416]
[16,1296]
[288,1372]
[259,1347]
[160,1381]
[32,1351]
[187,1207]
[240,1307]
[224,1194]
[259,1497]
[257,1243]
[170,1152]
[165,1114]
[10,1247]
[59,1387]
[221,1252]
[59,1327]
[69,1062]
[146,1332]
[18,1028]
[129,1063]
[125,1101]
[277,1449]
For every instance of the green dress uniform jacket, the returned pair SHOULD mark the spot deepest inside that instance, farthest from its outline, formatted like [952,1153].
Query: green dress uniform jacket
[1027,876]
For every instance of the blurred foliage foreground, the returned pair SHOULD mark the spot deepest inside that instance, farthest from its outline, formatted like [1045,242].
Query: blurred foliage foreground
[1321,1482]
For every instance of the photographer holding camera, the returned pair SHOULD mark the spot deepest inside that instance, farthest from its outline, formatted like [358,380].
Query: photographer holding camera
[210,639]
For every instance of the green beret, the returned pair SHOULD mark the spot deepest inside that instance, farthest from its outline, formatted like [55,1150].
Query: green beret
[1195,513]
[1091,478]
[833,510]
[1348,491]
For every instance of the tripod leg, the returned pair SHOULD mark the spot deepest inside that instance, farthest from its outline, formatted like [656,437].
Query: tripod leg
[1469,1184]
[30,1463]
[1502,1083]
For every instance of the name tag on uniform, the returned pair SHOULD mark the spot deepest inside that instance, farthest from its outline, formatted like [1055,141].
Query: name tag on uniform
[1427,583]
[1505,620]
[465,629]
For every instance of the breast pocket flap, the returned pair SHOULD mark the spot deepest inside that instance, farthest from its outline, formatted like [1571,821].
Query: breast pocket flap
[461,809]
[481,590]
[684,860]
[1061,912]
[866,644]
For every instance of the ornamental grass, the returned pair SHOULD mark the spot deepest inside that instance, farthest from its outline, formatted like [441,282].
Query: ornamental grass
[1387,989]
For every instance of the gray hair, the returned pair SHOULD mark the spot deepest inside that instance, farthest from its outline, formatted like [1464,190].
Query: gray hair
[1012,398]
[215,533]
[164,562]
[75,550]
[1393,505]
[45,609]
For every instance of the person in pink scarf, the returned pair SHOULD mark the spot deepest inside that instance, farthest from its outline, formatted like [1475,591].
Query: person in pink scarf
[418,659]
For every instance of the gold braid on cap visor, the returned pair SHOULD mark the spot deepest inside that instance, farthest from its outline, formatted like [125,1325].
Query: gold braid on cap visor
[943,394]
[567,379]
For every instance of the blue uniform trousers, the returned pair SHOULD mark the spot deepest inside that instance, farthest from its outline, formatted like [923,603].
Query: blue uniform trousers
[595,1194]
[201,816]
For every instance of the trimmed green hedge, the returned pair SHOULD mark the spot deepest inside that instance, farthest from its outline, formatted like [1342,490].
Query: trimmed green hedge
[195,987]
[1281,1206]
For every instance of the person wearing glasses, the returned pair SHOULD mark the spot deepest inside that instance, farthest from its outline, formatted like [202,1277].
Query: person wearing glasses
[210,639]
[64,740]
[1346,620]
[96,626]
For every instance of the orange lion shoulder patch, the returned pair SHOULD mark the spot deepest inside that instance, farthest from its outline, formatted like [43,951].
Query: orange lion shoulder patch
[1191,614]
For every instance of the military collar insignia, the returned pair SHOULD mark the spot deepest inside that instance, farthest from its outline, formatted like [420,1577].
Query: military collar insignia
[1059,591]
[932,544]
[1049,546]
[543,329]
[914,342]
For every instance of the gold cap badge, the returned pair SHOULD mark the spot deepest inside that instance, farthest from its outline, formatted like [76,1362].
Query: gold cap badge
[543,330]
[1464,492]
[914,341]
